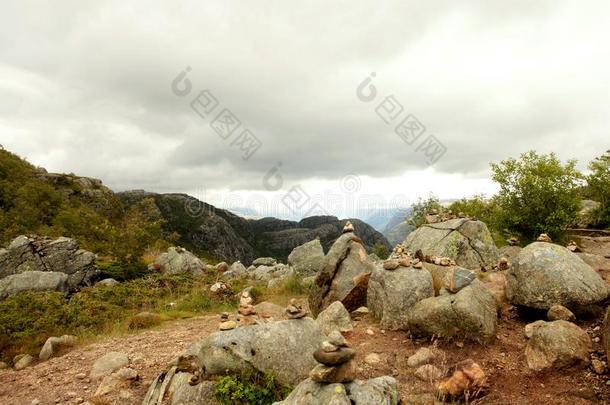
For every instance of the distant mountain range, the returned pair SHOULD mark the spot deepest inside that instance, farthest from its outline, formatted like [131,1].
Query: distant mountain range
[222,234]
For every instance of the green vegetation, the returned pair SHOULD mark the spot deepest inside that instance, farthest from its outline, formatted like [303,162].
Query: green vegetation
[252,389]
[598,182]
[421,208]
[381,250]
[538,194]
[33,202]
[29,318]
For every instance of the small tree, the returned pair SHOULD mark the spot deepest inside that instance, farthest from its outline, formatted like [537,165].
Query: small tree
[598,182]
[538,194]
[421,208]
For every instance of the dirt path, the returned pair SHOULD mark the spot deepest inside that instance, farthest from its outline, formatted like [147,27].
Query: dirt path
[57,380]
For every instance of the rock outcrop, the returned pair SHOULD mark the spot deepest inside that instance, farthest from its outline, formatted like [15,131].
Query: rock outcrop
[39,263]
[466,241]
[344,276]
[307,259]
[557,345]
[391,294]
[284,349]
[178,260]
[470,314]
[545,274]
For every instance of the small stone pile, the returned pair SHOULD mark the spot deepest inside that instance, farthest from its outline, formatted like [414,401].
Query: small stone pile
[399,258]
[573,247]
[513,241]
[246,311]
[226,323]
[349,227]
[544,238]
[336,361]
[294,310]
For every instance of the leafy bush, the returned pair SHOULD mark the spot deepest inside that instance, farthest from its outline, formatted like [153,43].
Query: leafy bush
[538,194]
[252,389]
[598,182]
[421,208]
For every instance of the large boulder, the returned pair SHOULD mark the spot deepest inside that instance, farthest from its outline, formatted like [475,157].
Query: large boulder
[470,314]
[178,260]
[545,274]
[466,241]
[556,345]
[41,254]
[392,293]
[33,281]
[335,317]
[344,276]
[376,391]
[284,349]
[586,215]
[308,258]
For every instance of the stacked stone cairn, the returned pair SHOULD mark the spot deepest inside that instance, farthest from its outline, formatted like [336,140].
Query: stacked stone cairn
[246,311]
[226,323]
[544,238]
[348,227]
[294,310]
[336,361]
[399,258]
[573,247]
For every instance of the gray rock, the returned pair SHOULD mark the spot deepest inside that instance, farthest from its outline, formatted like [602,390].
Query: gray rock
[308,258]
[557,345]
[108,364]
[182,392]
[391,294]
[41,254]
[23,361]
[283,348]
[470,314]
[529,329]
[264,261]
[545,274]
[108,282]
[467,242]
[237,269]
[33,281]
[510,252]
[178,261]
[560,313]
[344,276]
[334,317]
[55,343]
[265,273]
[376,391]
[458,278]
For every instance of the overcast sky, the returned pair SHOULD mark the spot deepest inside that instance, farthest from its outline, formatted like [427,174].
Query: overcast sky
[87,88]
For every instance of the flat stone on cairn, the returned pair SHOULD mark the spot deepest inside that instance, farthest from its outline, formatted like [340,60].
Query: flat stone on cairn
[294,310]
[336,358]
[348,227]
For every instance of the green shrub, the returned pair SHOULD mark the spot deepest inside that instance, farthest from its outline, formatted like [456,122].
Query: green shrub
[381,250]
[421,208]
[598,184]
[252,389]
[538,194]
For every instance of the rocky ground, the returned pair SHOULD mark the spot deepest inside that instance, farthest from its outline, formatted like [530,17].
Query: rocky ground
[65,379]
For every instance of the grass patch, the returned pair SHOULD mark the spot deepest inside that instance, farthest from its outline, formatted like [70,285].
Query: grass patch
[29,318]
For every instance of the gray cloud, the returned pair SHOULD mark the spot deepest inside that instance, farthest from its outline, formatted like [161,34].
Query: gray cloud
[87,86]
